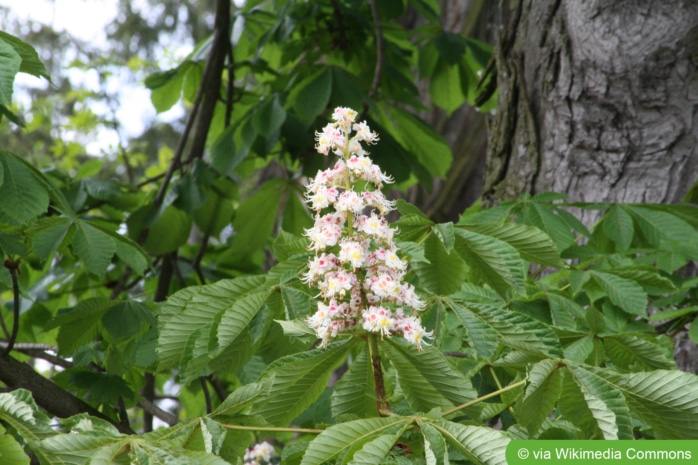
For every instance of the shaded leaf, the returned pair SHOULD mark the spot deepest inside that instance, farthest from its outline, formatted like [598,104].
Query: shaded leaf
[346,436]
[298,380]
[427,379]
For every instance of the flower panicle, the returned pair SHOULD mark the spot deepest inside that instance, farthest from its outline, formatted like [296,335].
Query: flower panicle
[356,268]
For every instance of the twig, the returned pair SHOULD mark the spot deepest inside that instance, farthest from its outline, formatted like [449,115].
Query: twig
[196,264]
[152,409]
[207,395]
[13,268]
[379,50]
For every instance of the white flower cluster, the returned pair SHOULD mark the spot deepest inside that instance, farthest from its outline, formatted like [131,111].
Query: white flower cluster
[356,267]
[260,454]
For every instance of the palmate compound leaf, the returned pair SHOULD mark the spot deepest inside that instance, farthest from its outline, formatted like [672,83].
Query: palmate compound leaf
[494,261]
[298,380]
[624,293]
[351,436]
[532,243]
[667,400]
[542,392]
[427,379]
[604,401]
[481,445]
[195,307]
[489,326]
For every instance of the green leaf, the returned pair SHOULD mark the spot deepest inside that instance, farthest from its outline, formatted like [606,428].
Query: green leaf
[426,378]
[79,325]
[48,235]
[10,62]
[295,218]
[563,311]
[354,393]
[657,225]
[24,197]
[605,402]
[298,380]
[489,326]
[374,451]
[166,87]
[124,319]
[445,87]
[269,116]
[633,353]
[415,135]
[240,399]
[532,243]
[435,448]
[444,231]
[494,261]
[236,317]
[19,412]
[536,214]
[169,232]
[346,91]
[131,253]
[666,400]
[442,273]
[618,225]
[214,214]
[347,436]
[195,308]
[31,63]
[11,452]
[480,445]
[94,247]
[255,218]
[624,293]
[542,392]
[314,95]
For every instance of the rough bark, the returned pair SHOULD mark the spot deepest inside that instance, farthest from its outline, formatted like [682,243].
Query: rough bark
[597,100]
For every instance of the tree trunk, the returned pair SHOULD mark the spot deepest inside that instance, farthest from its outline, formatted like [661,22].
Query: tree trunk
[597,99]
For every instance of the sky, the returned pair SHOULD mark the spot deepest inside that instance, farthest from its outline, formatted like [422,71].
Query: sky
[135,111]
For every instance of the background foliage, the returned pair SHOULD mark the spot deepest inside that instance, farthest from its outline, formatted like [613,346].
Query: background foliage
[172,275]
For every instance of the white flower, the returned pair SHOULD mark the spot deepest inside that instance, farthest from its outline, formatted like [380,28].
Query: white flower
[262,452]
[378,320]
[360,277]
[364,133]
[353,253]
[350,201]
[344,115]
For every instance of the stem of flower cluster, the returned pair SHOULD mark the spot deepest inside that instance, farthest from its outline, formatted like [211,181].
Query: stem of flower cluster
[381,399]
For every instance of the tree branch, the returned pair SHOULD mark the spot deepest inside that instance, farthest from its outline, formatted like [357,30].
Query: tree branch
[13,268]
[48,395]
[211,80]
